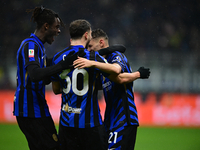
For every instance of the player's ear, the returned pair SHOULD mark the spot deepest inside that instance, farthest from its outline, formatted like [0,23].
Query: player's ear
[46,26]
[86,35]
[101,42]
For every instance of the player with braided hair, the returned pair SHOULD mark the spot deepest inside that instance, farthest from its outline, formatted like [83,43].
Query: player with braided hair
[30,107]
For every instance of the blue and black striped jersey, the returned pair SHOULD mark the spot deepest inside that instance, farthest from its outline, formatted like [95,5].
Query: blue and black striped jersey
[120,105]
[29,100]
[79,107]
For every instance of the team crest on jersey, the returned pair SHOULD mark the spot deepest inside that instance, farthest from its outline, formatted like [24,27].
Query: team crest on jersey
[116,59]
[69,109]
[31,53]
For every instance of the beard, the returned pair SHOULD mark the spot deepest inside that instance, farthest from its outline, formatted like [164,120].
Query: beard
[86,46]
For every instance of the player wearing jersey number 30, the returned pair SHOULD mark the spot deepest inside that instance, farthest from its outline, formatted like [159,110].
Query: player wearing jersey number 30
[81,126]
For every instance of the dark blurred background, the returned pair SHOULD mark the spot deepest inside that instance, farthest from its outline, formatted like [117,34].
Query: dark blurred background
[161,35]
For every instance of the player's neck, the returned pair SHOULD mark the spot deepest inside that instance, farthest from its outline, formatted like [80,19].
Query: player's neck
[104,46]
[78,42]
[40,35]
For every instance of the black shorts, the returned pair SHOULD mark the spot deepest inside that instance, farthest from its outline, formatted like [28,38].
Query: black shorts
[83,138]
[122,138]
[40,133]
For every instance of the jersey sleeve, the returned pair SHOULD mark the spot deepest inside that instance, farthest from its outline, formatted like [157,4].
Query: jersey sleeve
[120,59]
[54,77]
[30,54]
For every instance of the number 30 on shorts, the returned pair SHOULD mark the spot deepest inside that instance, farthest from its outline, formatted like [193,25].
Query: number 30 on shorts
[73,83]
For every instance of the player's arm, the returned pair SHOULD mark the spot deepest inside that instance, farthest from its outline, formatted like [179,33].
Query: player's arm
[49,61]
[37,74]
[47,80]
[56,87]
[105,67]
[111,49]
[125,77]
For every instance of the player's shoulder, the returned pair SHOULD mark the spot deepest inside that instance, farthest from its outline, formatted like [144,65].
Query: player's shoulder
[117,53]
[61,53]
[29,43]
[117,57]
[121,55]
[83,52]
[29,40]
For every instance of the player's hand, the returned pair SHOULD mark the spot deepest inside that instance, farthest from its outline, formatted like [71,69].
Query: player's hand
[47,81]
[81,52]
[144,72]
[67,61]
[111,49]
[82,63]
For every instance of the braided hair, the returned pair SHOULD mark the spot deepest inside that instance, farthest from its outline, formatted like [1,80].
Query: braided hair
[42,15]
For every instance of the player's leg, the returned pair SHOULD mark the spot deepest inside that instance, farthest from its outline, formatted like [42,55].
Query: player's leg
[48,133]
[94,138]
[122,138]
[129,138]
[40,133]
[25,126]
[69,139]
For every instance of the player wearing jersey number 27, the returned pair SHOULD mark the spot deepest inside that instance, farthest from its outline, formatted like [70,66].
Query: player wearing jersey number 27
[121,119]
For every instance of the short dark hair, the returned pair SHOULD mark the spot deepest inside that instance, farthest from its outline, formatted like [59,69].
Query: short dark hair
[78,27]
[42,15]
[99,33]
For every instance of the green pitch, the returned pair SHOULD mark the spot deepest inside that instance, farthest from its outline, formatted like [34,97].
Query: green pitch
[167,139]
[148,138]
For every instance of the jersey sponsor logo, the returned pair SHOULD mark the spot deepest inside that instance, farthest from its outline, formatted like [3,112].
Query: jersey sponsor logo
[107,85]
[69,109]
[31,53]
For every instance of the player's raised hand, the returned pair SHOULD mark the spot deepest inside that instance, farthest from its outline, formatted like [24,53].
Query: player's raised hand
[82,63]
[144,72]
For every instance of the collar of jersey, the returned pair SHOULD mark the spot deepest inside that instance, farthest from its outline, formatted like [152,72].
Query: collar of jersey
[37,39]
[79,46]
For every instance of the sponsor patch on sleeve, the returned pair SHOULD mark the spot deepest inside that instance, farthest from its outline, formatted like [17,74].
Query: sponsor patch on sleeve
[31,53]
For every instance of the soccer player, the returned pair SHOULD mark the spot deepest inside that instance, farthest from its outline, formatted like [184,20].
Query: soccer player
[121,118]
[30,107]
[81,125]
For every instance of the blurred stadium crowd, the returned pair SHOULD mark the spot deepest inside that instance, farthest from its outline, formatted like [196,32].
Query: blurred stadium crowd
[162,35]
